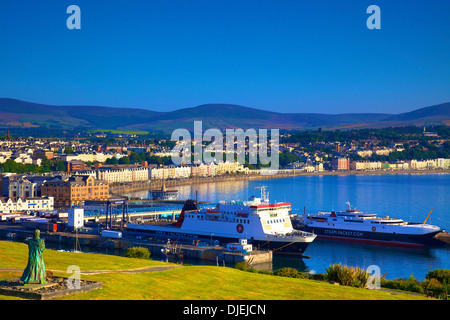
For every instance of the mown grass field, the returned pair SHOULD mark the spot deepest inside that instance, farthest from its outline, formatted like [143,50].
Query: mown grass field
[182,283]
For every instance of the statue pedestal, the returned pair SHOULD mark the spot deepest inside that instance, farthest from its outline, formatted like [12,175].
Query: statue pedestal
[54,288]
[36,286]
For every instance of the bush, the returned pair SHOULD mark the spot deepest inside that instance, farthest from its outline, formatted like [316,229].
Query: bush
[287,272]
[318,276]
[137,252]
[433,284]
[265,272]
[360,278]
[347,276]
[438,280]
[441,275]
[253,270]
[411,284]
[241,265]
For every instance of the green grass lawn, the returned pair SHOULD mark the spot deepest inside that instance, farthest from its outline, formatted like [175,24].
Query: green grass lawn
[183,283]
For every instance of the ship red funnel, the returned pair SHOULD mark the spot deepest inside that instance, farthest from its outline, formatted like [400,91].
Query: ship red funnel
[189,205]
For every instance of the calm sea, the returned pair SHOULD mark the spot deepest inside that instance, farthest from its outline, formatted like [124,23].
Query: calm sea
[410,197]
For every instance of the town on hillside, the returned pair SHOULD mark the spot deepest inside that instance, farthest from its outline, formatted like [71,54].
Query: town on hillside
[60,173]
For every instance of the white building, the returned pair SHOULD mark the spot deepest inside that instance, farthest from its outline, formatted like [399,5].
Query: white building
[88,157]
[398,166]
[443,163]
[123,174]
[9,205]
[75,218]
[91,173]
[22,188]
[40,204]
[230,167]
[384,151]
[364,153]
[203,170]
[423,164]
[366,165]
[182,172]
[23,158]
[139,174]
[160,173]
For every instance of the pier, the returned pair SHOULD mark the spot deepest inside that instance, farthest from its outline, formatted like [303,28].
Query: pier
[218,254]
[198,251]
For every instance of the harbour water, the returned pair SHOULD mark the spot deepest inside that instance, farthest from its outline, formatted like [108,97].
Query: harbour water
[405,196]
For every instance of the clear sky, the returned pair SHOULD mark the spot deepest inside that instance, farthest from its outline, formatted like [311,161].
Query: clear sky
[278,55]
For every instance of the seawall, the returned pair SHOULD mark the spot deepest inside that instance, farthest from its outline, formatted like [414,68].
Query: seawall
[157,184]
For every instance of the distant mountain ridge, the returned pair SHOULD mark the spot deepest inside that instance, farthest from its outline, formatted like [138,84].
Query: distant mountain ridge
[14,113]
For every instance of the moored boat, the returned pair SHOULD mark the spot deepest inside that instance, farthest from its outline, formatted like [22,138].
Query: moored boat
[265,225]
[355,225]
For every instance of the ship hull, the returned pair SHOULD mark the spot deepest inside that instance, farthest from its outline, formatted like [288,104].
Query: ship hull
[278,247]
[383,238]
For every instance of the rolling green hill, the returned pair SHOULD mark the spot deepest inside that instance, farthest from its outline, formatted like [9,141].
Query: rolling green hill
[180,282]
[17,113]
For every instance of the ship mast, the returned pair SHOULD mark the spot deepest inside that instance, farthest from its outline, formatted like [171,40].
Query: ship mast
[264,194]
[349,206]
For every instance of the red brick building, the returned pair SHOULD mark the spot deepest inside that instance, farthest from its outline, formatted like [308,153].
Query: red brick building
[76,165]
[340,164]
[75,191]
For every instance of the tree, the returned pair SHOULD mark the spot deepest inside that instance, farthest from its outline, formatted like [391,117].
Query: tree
[59,166]
[138,252]
[68,150]
[46,165]
[124,160]
[112,160]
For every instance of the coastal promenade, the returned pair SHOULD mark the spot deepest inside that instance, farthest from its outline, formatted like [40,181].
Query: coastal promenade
[157,184]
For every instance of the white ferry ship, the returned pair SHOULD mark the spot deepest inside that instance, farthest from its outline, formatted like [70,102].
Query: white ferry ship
[353,224]
[264,225]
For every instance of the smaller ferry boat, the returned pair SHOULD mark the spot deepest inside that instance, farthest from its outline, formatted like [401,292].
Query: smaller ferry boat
[164,194]
[355,225]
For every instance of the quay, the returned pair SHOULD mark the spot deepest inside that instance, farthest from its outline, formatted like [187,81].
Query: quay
[444,236]
[201,251]
[218,254]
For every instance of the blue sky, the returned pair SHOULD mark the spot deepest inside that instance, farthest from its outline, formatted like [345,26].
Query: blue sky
[278,55]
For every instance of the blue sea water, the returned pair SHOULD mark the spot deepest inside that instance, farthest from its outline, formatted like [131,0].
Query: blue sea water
[405,196]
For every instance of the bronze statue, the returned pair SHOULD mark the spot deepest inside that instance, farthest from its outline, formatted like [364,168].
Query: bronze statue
[35,270]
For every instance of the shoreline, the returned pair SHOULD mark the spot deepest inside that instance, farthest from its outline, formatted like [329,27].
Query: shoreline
[120,189]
